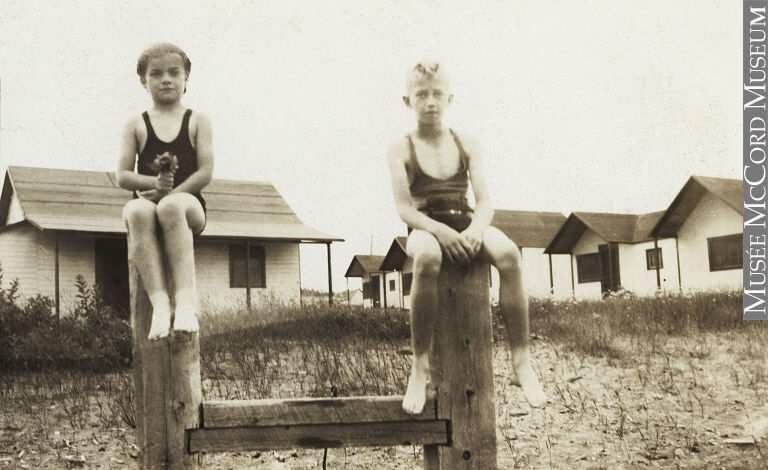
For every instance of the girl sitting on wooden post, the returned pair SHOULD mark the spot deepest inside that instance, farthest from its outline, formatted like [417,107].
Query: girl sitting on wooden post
[431,169]
[166,159]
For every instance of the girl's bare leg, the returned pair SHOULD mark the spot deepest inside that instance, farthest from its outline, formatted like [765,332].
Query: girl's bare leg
[513,303]
[181,215]
[140,219]
[427,258]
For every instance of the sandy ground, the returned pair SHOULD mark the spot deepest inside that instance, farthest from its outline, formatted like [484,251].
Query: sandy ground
[696,403]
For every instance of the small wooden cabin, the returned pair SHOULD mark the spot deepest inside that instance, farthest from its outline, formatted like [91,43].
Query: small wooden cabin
[366,267]
[610,252]
[56,224]
[706,221]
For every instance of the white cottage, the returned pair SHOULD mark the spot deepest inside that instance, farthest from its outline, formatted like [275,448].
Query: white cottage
[398,274]
[706,222]
[56,224]
[613,251]
[366,267]
[544,275]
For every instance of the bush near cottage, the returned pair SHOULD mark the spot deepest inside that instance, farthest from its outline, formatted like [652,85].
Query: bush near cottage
[92,336]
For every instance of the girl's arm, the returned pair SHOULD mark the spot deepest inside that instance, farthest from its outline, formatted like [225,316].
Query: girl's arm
[453,245]
[483,208]
[204,147]
[127,178]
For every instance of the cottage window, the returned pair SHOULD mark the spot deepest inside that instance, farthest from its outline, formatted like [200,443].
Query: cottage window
[651,258]
[237,266]
[407,280]
[725,252]
[589,267]
[392,285]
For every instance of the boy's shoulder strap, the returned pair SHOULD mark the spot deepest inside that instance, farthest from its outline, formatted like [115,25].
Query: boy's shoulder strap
[462,153]
[412,153]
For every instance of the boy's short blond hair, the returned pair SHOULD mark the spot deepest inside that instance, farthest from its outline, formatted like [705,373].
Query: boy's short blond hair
[427,69]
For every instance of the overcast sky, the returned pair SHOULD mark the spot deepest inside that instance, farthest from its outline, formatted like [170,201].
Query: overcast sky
[587,105]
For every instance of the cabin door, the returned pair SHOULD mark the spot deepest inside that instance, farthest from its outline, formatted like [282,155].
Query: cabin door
[376,291]
[609,258]
[112,273]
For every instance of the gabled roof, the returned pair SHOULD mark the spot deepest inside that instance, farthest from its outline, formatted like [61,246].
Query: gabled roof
[363,264]
[396,255]
[730,191]
[612,228]
[91,201]
[528,228]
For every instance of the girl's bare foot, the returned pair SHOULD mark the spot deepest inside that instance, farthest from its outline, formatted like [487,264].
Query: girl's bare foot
[161,323]
[416,393]
[186,319]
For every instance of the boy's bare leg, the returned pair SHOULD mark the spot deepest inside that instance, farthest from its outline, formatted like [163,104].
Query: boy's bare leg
[427,258]
[513,303]
[180,214]
[140,219]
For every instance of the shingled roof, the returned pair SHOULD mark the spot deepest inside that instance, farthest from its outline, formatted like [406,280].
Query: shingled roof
[730,191]
[396,255]
[618,228]
[91,201]
[362,264]
[528,228]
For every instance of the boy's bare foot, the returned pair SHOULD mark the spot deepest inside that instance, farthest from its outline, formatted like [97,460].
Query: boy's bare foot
[161,323]
[525,378]
[185,319]
[416,393]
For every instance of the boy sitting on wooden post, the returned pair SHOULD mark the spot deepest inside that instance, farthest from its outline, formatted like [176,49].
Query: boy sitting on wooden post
[431,169]
[175,162]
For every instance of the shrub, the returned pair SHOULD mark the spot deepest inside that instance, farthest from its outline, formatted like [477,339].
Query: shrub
[32,336]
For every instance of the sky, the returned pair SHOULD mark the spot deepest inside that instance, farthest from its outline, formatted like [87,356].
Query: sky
[582,105]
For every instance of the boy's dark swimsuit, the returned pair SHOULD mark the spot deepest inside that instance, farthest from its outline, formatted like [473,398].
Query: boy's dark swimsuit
[444,200]
[180,146]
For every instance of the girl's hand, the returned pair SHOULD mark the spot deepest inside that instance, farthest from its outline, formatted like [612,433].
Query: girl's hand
[164,182]
[454,245]
[152,195]
[474,238]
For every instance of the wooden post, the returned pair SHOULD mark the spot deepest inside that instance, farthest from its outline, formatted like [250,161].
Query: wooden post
[167,388]
[462,370]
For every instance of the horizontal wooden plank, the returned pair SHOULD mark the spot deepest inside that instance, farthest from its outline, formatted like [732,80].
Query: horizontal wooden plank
[249,204]
[233,413]
[85,195]
[26,175]
[318,436]
[249,188]
[97,209]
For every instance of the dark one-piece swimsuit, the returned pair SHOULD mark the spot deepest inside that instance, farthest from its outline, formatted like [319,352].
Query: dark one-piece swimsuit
[445,199]
[180,146]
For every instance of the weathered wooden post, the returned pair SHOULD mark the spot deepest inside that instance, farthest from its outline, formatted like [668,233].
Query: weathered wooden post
[462,370]
[167,388]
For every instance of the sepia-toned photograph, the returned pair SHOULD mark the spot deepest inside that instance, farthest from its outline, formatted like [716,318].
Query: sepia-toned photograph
[381,235]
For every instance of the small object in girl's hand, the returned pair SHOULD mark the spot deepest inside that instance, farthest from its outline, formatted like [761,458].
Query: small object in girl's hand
[165,162]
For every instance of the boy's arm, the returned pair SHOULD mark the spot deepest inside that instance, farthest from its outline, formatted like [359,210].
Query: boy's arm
[127,178]
[204,147]
[483,208]
[452,244]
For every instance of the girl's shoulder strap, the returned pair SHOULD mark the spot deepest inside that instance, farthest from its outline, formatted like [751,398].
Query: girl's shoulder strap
[185,120]
[148,123]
